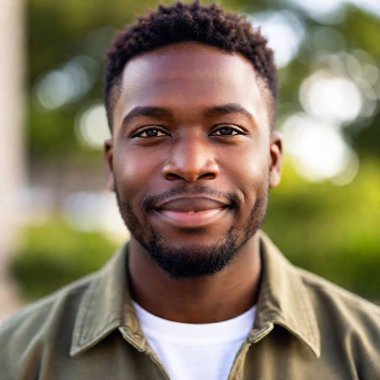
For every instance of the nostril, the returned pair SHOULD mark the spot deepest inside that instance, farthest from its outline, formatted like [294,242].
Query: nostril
[207,176]
[172,177]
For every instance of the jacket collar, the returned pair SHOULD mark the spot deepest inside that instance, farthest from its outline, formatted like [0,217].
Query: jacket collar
[106,305]
[283,300]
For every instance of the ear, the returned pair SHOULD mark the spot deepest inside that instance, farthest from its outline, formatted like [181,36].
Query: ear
[108,161]
[276,156]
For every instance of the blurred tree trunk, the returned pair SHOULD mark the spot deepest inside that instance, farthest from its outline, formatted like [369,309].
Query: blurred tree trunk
[12,63]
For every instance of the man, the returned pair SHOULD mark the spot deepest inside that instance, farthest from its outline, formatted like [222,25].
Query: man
[199,292]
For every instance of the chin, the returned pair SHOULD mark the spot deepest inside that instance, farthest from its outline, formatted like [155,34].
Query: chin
[192,261]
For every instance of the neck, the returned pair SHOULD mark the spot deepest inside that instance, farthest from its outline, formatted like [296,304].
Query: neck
[216,298]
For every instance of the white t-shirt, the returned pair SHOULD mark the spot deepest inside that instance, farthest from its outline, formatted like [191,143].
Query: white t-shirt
[196,351]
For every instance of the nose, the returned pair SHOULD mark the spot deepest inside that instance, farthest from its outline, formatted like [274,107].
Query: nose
[190,160]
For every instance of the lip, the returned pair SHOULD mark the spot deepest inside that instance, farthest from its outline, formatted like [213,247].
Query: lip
[190,219]
[190,203]
[191,211]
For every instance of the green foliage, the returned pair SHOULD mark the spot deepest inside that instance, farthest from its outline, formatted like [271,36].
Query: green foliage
[332,231]
[54,254]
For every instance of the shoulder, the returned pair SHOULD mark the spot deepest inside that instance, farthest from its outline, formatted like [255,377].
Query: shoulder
[345,320]
[27,334]
[337,299]
[33,316]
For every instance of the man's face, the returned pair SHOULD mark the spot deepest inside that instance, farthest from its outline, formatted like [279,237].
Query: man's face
[192,156]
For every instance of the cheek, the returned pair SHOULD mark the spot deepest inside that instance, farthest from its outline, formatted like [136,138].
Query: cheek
[250,166]
[134,172]
[249,174]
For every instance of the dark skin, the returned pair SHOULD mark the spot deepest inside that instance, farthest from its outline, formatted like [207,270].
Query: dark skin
[205,300]
[193,115]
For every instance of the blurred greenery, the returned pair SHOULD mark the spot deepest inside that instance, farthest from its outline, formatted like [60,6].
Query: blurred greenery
[331,230]
[54,254]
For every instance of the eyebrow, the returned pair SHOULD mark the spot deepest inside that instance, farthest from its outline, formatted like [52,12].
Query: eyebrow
[227,109]
[148,111]
[164,113]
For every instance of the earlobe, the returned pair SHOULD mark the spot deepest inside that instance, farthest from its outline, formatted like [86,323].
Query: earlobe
[108,161]
[276,156]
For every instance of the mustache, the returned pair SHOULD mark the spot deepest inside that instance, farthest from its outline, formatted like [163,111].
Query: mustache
[232,199]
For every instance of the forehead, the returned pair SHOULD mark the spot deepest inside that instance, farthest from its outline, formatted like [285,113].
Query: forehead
[188,76]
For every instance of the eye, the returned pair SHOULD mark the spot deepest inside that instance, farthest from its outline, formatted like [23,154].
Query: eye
[227,130]
[150,132]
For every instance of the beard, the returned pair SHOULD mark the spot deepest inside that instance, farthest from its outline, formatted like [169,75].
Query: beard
[193,262]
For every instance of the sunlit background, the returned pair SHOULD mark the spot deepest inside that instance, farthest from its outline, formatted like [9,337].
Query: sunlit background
[325,216]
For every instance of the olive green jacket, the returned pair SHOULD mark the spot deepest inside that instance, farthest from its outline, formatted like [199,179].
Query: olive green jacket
[305,328]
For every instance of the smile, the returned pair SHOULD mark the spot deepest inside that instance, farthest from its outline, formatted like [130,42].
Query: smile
[191,212]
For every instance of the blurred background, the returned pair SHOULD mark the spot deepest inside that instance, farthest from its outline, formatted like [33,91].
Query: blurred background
[57,220]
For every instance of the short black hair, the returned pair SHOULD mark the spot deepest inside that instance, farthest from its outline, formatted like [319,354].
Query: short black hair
[210,25]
